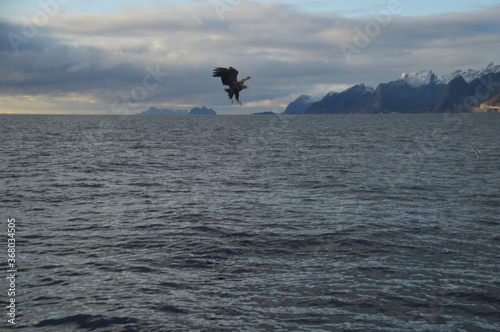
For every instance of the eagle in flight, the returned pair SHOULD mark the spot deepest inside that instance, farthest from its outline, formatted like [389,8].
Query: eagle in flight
[229,77]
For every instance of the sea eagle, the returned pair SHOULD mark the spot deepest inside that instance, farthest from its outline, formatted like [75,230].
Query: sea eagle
[229,77]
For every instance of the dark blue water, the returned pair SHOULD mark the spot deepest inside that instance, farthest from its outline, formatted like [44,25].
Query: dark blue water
[253,223]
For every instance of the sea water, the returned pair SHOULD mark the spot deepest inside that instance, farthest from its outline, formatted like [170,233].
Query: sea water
[253,223]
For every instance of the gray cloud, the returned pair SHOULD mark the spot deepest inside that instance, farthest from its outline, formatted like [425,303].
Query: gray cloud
[105,56]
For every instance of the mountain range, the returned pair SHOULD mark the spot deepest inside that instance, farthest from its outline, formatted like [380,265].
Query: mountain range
[419,92]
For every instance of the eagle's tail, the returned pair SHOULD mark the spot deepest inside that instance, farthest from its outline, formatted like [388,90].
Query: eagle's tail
[230,93]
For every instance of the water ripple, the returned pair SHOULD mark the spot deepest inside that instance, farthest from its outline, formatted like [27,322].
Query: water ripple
[328,223]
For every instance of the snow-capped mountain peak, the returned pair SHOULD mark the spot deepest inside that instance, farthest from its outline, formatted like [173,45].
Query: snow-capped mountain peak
[417,79]
[329,94]
[426,77]
[471,74]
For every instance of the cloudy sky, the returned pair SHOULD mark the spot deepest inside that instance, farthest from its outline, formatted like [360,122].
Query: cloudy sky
[120,57]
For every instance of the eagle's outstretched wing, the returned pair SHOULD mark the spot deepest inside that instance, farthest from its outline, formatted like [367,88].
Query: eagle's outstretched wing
[228,76]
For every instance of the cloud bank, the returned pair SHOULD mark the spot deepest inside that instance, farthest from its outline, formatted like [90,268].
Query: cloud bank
[163,56]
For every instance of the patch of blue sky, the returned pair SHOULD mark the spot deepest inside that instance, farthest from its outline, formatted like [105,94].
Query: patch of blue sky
[359,8]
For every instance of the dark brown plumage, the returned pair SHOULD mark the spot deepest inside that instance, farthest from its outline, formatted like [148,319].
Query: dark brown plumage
[229,77]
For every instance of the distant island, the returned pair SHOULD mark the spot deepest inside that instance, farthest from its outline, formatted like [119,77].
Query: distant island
[264,113]
[166,111]
[202,111]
